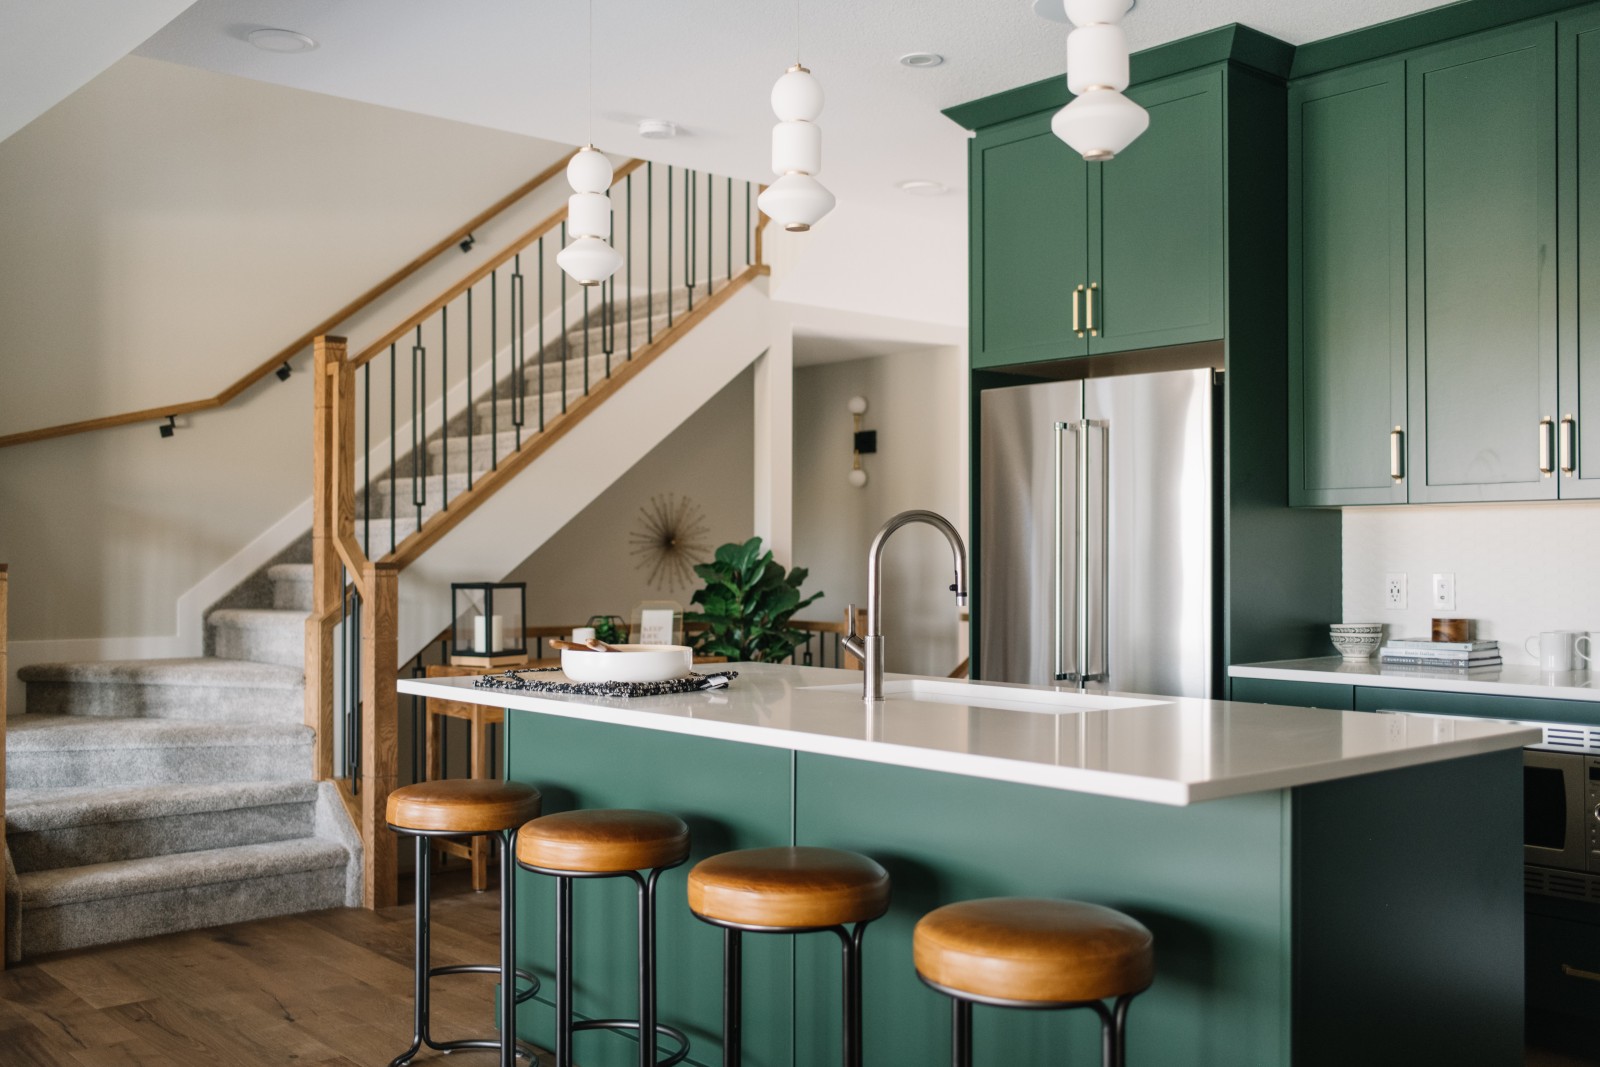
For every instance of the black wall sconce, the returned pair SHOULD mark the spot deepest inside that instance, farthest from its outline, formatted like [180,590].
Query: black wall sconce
[283,372]
[170,427]
[863,443]
[467,242]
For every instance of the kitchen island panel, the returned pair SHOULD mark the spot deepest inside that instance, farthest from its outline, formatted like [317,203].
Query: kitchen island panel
[732,796]
[1209,880]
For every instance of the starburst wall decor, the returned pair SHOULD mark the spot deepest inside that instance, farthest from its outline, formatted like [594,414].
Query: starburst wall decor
[669,540]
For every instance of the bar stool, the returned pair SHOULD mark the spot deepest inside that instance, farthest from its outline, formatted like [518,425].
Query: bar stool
[607,843]
[788,891]
[1015,952]
[460,808]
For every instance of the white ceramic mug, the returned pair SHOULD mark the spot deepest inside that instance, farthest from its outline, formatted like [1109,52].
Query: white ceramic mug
[1557,649]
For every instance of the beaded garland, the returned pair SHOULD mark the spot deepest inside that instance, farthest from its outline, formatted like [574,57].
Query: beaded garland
[694,683]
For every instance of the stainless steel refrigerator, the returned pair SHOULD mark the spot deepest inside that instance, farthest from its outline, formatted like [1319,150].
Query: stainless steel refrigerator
[1096,534]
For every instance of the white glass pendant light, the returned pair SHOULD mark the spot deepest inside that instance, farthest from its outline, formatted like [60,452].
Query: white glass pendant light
[589,259]
[796,200]
[1100,121]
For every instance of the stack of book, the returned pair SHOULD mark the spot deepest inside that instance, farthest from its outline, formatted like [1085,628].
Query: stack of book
[1419,652]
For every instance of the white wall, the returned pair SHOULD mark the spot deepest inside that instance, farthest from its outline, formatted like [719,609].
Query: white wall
[165,229]
[1520,568]
[588,567]
[917,404]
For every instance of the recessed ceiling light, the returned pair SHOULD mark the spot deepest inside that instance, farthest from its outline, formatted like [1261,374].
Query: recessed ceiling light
[284,42]
[921,59]
[923,187]
[657,129]
[1056,11]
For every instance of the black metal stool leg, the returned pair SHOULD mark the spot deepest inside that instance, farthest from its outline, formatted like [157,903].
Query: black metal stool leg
[732,997]
[647,970]
[508,949]
[1120,1029]
[563,1047]
[419,1001]
[851,952]
[960,1032]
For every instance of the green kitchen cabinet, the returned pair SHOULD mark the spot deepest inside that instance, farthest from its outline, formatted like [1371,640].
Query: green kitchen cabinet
[1578,453]
[1156,224]
[1029,245]
[1072,259]
[1293,694]
[1481,253]
[1347,287]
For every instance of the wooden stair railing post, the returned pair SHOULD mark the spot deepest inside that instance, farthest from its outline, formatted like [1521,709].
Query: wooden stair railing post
[328,355]
[380,732]
[4,678]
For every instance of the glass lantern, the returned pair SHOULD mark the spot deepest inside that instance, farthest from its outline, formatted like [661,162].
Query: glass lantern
[487,627]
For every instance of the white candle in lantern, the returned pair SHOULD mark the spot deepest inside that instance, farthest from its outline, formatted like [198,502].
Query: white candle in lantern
[487,633]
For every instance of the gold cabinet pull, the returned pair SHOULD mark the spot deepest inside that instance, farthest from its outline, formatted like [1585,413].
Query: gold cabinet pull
[1578,972]
[1547,431]
[1569,433]
[1077,323]
[1397,458]
[1089,302]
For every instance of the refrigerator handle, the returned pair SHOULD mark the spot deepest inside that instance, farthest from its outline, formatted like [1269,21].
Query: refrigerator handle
[1059,607]
[1096,671]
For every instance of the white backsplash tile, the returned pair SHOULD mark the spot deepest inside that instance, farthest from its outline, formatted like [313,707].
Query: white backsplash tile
[1520,568]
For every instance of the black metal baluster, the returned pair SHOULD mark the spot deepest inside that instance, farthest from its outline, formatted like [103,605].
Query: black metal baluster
[630,264]
[366,458]
[649,253]
[394,498]
[608,304]
[540,257]
[730,229]
[711,216]
[494,370]
[472,414]
[444,408]
[688,235]
[519,350]
[585,321]
[748,232]
[419,414]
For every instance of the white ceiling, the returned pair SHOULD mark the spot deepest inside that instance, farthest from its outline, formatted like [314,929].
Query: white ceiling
[707,65]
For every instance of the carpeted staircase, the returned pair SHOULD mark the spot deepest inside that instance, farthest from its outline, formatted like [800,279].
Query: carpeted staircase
[151,796]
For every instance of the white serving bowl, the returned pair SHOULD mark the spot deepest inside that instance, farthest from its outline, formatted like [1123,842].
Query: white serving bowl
[629,663]
[1356,640]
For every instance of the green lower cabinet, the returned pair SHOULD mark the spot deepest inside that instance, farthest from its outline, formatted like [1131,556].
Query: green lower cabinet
[1580,256]
[1347,286]
[1156,259]
[1294,694]
[732,796]
[1482,705]
[1482,267]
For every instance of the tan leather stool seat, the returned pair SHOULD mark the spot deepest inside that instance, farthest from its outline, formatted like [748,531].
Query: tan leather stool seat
[604,841]
[1048,951]
[789,887]
[463,806]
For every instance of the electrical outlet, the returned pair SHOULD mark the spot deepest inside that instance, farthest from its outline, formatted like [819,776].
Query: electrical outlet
[1394,591]
[1444,592]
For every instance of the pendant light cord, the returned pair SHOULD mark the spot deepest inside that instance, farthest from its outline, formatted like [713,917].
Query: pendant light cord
[797,32]
[591,71]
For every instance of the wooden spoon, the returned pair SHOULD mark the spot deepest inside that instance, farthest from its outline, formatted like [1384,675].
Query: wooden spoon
[596,645]
[590,646]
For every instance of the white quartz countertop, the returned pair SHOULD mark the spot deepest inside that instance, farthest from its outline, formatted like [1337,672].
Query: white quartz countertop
[1164,750]
[1509,681]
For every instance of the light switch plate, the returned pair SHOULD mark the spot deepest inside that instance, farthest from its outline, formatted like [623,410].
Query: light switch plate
[1444,592]
[1394,591]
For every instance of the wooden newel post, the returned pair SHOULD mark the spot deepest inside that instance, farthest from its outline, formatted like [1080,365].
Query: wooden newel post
[328,357]
[380,732]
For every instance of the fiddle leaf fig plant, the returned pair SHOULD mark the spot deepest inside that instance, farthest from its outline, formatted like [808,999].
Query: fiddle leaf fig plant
[747,603]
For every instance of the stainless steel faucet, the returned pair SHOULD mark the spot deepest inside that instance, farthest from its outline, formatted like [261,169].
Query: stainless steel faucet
[869,650]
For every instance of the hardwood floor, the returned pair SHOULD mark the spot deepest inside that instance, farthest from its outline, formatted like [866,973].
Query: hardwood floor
[329,989]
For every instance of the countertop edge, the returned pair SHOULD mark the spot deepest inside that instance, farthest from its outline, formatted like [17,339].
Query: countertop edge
[1272,672]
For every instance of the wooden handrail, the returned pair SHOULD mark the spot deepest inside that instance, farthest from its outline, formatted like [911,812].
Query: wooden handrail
[3,679]
[506,253]
[304,340]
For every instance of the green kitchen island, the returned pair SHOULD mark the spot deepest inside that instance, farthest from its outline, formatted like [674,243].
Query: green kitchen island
[1324,887]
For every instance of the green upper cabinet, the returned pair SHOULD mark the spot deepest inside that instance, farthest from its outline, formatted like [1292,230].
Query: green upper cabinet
[1482,267]
[1156,255]
[1072,259]
[1578,453]
[1347,287]
[1029,245]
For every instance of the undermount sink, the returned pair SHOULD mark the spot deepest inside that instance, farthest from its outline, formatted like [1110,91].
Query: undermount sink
[978,695]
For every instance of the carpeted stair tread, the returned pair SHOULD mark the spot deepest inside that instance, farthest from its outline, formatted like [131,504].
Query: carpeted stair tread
[45,733]
[291,586]
[265,635]
[178,871]
[34,810]
[208,671]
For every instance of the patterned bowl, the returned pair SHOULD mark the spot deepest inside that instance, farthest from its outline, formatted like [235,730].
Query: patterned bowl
[1356,640]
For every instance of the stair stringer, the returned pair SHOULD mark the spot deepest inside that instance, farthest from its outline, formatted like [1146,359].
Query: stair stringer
[509,526]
